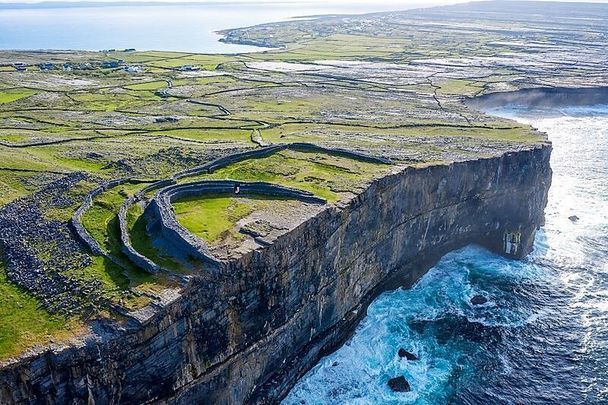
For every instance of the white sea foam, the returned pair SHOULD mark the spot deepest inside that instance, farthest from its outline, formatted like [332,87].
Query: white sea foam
[546,319]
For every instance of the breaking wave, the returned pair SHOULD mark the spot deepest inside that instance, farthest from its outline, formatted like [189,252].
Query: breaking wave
[542,335]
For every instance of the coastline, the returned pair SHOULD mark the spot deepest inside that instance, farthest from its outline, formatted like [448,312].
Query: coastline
[213,377]
[250,331]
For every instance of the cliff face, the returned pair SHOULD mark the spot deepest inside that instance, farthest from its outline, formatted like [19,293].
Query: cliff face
[543,97]
[250,335]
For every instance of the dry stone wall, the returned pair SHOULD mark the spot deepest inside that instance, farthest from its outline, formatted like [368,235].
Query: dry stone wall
[161,217]
[195,246]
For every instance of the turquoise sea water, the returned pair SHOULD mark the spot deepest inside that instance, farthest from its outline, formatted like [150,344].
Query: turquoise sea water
[543,335]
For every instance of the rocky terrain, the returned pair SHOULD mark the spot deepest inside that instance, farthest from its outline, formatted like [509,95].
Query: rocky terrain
[113,163]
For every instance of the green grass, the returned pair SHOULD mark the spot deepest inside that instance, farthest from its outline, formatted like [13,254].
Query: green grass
[457,86]
[154,85]
[102,223]
[25,324]
[496,130]
[212,217]
[109,274]
[322,174]
[11,185]
[337,46]
[8,96]
[209,135]
[173,59]
[103,101]
[99,220]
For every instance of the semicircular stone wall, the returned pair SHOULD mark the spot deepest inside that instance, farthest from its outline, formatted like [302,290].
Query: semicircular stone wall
[161,217]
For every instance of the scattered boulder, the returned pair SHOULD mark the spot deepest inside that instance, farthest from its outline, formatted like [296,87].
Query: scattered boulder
[478,300]
[409,356]
[161,120]
[163,93]
[573,218]
[334,364]
[399,384]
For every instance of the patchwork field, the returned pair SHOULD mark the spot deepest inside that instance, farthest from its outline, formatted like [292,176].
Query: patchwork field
[389,86]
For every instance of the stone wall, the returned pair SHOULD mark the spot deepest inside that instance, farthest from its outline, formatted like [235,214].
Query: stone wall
[269,150]
[247,335]
[134,256]
[195,246]
[309,147]
[85,237]
[161,218]
[76,219]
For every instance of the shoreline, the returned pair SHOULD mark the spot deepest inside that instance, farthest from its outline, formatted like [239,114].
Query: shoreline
[247,327]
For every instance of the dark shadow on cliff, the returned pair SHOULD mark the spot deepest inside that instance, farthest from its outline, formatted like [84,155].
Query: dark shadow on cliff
[545,97]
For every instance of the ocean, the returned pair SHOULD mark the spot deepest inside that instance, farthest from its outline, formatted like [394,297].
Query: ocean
[541,338]
[166,27]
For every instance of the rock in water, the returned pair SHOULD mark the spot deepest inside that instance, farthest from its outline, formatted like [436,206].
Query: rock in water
[478,300]
[399,384]
[573,218]
[404,353]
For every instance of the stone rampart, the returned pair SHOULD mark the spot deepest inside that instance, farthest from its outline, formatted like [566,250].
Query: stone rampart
[161,217]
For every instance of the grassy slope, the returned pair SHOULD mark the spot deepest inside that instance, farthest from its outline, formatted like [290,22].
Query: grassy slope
[24,323]
[143,244]
[324,175]
[101,221]
[214,217]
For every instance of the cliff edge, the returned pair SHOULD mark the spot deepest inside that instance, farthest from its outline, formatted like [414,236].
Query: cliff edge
[248,336]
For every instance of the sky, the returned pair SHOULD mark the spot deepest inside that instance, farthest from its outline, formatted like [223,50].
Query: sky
[250,1]
[325,2]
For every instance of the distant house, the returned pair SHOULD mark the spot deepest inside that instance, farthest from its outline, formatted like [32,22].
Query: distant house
[112,64]
[83,66]
[46,66]
[20,67]
[162,93]
[67,67]
[189,68]
[133,69]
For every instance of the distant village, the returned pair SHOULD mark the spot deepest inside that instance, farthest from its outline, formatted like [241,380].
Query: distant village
[117,64]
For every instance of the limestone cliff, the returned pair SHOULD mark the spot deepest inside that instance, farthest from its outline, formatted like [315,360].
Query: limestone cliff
[248,335]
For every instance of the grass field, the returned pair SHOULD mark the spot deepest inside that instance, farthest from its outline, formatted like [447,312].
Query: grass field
[378,88]
[24,323]
[212,217]
[8,96]
[324,175]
